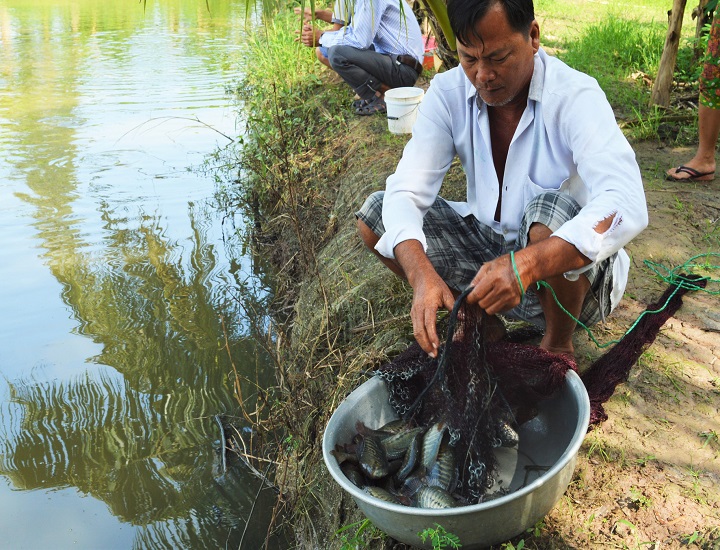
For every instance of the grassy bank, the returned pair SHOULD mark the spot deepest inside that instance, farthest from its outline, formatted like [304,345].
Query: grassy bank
[305,166]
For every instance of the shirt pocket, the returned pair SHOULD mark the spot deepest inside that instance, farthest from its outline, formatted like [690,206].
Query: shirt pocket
[573,186]
[532,189]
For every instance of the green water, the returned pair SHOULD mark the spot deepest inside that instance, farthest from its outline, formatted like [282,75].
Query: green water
[119,278]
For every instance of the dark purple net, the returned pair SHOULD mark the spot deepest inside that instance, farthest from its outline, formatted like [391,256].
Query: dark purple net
[480,385]
[477,388]
[614,366]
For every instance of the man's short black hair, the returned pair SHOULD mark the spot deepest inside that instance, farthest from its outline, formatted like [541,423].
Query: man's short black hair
[464,14]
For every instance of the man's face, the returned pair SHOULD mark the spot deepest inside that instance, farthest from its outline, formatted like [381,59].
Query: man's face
[500,65]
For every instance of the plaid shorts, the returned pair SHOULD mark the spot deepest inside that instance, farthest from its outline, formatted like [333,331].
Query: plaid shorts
[458,246]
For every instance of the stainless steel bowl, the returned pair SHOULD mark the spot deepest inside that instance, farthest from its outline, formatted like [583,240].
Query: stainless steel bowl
[551,440]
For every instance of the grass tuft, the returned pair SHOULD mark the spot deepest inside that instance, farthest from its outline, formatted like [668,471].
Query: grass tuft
[613,51]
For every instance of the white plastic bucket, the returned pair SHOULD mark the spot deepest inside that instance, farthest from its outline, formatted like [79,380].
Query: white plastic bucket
[402,106]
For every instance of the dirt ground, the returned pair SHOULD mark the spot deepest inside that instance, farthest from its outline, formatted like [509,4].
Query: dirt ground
[649,477]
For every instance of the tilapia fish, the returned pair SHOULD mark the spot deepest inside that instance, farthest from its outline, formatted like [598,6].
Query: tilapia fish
[402,464]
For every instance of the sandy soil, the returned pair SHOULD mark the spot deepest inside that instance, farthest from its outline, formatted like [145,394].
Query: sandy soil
[649,477]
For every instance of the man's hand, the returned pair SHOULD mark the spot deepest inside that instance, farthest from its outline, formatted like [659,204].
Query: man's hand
[496,286]
[428,297]
[307,14]
[430,293]
[310,36]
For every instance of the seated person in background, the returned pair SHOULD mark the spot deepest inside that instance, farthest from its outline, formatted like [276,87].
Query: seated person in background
[335,17]
[553,188]
[380,48]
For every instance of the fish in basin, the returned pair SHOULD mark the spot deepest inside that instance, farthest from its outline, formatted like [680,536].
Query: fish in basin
[400,463]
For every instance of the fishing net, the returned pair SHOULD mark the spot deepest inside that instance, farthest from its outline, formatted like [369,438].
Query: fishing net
[482,388]
[614,366]
[479,387]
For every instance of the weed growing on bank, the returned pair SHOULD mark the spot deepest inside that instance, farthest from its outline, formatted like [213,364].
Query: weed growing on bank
[291,119]
[288,159]
[289,151]
[297,143]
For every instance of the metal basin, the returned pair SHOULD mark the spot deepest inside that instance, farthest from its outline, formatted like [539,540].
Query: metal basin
[551,441]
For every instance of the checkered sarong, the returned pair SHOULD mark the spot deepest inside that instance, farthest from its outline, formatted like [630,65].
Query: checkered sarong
[458,246]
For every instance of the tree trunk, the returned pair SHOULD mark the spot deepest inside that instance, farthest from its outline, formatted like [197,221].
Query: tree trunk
[661,88]
[702,20]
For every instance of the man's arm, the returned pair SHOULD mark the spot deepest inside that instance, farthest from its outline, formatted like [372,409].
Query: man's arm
[496,285]
[361,33]
[606,166]
[409,193]
[319,15]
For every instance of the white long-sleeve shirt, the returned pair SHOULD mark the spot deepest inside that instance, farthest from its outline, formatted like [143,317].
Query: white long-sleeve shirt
[567,138]
[389,26]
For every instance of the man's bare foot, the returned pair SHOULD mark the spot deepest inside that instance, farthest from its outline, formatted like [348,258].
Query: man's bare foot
[562,349]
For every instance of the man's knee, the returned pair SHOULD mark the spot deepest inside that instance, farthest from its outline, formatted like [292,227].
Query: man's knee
[545,214]
[337,56]
[369,219]
[324,60]
[538,232]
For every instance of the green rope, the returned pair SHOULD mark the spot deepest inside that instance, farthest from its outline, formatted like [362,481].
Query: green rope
[517,274]
[670,276]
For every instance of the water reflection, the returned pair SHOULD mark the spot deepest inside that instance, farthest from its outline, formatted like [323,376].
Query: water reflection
[118,282]
[125,448]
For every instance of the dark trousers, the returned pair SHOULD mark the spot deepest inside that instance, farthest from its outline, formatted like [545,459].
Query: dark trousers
[366,70]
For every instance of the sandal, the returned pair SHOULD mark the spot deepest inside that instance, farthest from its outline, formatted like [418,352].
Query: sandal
[359,103]
[693,174]
[375,105]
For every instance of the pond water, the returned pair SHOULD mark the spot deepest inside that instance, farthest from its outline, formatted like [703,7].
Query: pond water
[119,278]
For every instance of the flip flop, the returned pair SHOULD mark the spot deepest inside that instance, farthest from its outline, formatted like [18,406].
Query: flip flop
[694,174]
[375,105]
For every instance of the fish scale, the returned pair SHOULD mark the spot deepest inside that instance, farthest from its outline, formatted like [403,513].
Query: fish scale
[396,445]
[372,459]
[410,459]
[431,444]
[434,497]
[443,473]
[382,494]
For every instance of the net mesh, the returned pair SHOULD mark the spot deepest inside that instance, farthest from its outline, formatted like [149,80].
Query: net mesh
[480,384]
[614,366]
[471,390]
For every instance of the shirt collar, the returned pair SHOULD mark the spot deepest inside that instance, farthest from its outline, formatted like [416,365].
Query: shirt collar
[536,82]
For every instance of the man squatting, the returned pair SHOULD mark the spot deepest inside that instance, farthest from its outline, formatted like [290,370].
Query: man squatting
[374,45]
[553,188]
